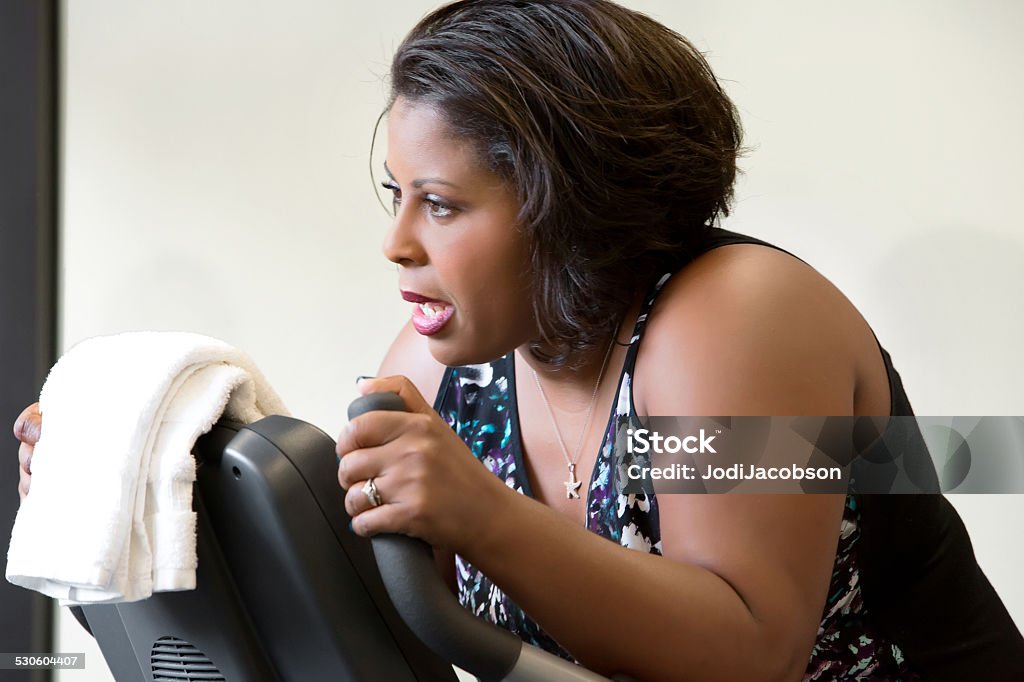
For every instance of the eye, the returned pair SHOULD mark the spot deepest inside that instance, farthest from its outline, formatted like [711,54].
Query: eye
[437,207]
[396,194]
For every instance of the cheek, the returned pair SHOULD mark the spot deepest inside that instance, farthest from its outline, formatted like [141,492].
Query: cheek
[487,270]
[510,317]
[497,309]
[497,302]
[518,274]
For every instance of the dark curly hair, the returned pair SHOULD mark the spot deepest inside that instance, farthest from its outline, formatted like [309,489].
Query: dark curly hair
[611,129]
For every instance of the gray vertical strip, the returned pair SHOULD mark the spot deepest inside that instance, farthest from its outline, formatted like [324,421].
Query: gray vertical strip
[29,49]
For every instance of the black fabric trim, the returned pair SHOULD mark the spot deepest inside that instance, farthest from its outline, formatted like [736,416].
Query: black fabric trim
[516,442]
[442,390]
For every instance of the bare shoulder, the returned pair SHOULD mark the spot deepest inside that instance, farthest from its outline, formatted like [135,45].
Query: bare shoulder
[410,356]
[748,329]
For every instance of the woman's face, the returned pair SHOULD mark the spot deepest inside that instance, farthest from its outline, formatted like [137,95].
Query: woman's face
[462,262]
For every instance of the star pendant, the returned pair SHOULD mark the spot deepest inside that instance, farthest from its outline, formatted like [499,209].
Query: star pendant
[572,485]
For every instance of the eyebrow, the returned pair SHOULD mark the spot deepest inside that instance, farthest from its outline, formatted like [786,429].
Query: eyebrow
[419,182]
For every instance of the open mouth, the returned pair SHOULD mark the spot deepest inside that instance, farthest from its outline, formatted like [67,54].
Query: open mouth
[429,318]
[429,315]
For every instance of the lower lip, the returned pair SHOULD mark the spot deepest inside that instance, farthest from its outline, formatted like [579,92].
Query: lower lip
[428,326]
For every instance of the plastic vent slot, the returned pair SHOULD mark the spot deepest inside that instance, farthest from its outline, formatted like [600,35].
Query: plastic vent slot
[174,660]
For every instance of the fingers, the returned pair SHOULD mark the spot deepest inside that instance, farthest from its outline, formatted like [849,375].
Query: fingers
[27,428]
[367,519]
[383,519]
[25,470]
[362,456]
[372,429]
[357,501]
[401,385]
[25,452]
[356,442]
[28,425]
[366,446]
[355,467]
[24,481]
[380,427]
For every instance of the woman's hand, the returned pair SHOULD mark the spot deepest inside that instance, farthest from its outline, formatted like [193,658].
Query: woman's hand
[26,429]
[430,485]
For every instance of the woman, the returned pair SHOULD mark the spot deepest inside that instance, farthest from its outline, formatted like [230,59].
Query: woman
[556,170]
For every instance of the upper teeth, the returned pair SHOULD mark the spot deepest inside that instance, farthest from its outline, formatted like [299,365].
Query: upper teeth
[431,310]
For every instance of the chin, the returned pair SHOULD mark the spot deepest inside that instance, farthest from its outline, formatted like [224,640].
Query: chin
[450,353]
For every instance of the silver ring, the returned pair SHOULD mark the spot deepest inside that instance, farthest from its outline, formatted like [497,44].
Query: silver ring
[370,490]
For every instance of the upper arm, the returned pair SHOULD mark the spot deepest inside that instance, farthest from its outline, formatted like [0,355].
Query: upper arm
[752,332]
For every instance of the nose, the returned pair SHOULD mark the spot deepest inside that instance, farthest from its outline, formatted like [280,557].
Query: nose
[402,244]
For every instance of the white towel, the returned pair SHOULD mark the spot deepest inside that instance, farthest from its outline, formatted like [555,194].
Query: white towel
[109,517]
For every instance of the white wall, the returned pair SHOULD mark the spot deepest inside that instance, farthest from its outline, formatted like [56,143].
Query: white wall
[215,179]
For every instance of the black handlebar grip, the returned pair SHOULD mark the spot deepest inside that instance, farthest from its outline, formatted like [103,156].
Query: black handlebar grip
[421,597]
[375,401]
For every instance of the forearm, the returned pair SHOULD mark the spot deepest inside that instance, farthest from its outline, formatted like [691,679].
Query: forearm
[624,611]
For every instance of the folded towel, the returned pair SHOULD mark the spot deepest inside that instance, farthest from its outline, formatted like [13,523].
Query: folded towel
[109,517]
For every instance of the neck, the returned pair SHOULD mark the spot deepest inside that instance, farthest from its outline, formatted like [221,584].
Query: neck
[586,371]
[584,374]
[574,386]
[572,390]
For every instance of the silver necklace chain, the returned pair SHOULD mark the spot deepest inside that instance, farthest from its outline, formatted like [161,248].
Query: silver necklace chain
[572,486]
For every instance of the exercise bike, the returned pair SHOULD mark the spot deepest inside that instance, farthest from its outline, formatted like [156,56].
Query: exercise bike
[285,591]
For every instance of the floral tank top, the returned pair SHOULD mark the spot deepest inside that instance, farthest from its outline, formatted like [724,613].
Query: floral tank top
[479,403]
